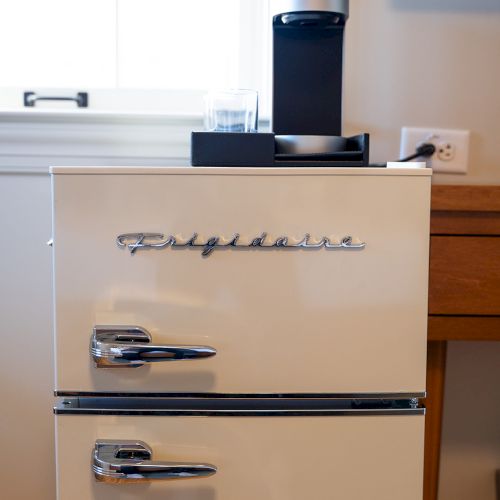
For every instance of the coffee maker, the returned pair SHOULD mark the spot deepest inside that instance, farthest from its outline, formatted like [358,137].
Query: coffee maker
[308,39]
[306,121]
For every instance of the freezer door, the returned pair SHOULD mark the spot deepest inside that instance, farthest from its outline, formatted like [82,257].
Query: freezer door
[242,458]
[140,314]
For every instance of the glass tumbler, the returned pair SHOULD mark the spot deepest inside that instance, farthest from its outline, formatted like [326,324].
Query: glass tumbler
[231,110]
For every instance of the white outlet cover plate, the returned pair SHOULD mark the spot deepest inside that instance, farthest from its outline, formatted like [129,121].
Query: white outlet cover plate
[412,137]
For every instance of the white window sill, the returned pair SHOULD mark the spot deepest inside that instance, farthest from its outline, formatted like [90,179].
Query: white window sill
[45,115]
[31,140]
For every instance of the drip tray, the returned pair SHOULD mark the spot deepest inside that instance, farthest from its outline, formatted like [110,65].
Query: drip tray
[340,155]
[219,149]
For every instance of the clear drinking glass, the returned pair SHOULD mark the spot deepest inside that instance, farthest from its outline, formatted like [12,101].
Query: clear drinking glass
[231,110]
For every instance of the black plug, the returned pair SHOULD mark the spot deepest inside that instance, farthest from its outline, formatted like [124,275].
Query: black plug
[425,150]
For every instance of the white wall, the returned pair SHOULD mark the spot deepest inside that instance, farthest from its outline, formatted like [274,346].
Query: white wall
[26,425]
[425,63]
[471,424]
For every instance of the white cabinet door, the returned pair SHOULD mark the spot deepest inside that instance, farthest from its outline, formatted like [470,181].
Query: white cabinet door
[273,458]
[282,320]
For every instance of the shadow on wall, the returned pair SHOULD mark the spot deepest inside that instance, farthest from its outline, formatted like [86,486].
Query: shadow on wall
[447,5]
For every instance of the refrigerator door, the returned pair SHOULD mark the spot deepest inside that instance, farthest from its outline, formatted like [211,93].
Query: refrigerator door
[265,318]
[240,458]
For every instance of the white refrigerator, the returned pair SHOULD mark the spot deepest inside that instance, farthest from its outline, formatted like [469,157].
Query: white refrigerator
[259,332]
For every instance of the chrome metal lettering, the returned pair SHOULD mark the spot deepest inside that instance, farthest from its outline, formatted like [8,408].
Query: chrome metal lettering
[281,242]
[234,241]
[209,246]
[138,241]
[259,241]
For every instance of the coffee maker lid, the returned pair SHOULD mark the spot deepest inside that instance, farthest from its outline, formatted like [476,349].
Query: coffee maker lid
[285,6]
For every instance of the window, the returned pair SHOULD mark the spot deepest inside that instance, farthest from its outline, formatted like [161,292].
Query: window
[160,55]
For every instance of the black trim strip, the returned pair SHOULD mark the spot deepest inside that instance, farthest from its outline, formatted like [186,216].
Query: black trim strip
[216,395]
[234,407]
[241,413]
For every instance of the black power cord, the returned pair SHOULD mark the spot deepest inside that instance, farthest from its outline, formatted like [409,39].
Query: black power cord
[425,150]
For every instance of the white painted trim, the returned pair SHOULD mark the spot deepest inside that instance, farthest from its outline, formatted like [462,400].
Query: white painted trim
[22,170]
[31,141]
[40,115]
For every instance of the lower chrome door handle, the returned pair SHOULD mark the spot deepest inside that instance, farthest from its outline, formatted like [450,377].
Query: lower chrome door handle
[117,461]
[131,347]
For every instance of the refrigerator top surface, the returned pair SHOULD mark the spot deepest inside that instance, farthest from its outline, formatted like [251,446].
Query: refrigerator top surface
[257,171]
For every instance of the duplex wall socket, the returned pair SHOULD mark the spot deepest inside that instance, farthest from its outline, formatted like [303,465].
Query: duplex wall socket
[452,147]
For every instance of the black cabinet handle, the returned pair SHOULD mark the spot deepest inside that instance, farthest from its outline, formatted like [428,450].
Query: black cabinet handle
[31,98]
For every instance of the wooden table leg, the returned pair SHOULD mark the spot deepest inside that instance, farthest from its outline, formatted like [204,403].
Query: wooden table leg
[436,364]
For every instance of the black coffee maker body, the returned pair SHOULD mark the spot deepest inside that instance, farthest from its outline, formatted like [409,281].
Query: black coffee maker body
[308,39]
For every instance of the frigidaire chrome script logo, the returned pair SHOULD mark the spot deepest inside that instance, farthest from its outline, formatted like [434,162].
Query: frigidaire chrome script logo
[140,241]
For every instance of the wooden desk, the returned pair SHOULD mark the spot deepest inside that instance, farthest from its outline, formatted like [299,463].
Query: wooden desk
[464,293]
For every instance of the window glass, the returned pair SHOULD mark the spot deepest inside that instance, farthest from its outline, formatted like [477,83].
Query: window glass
[191,44]
[132,54]
[57,43]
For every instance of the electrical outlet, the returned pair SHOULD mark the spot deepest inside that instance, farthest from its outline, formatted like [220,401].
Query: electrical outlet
[452,147]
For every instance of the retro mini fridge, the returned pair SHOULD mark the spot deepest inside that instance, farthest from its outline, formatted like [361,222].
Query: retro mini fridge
[257,332]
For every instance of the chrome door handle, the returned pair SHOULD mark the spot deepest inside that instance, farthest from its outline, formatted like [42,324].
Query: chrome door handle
[117,461]
[131,347]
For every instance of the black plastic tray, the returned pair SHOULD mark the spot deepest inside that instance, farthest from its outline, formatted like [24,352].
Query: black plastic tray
[220,149]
